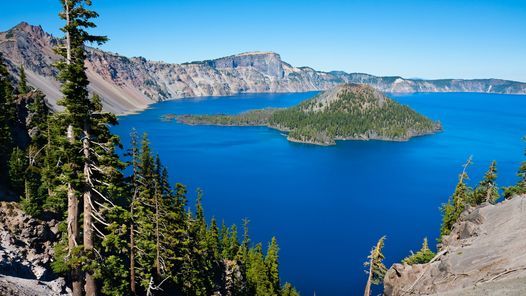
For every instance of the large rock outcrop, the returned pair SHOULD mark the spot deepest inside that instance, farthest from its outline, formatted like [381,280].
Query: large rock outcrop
[484,255]
[129,84]
[26,252]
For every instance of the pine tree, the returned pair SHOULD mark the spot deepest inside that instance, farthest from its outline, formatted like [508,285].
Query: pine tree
[22,83]
[213,243]
[487,190]
[6,120]
[55,171]
[258,279]
[143,216]
[421,257]
[520,187]
[377,269]
[17,170]
[457,203]
[271,261]
[36,189]
[243,250]
[289,290]
[95,173]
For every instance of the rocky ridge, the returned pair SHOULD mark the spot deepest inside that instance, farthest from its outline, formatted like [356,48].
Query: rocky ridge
[130,84]
[484,255]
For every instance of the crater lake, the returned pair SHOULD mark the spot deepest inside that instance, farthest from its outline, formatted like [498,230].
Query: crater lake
[328,206]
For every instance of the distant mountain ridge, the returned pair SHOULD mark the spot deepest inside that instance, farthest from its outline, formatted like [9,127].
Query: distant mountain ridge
[130,84]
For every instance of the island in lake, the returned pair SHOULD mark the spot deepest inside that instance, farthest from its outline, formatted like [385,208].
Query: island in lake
[346,112]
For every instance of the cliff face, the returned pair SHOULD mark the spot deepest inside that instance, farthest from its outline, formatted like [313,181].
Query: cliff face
[128,84]
[484,255]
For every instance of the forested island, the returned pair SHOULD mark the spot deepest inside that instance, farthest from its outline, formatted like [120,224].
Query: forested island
[346,112]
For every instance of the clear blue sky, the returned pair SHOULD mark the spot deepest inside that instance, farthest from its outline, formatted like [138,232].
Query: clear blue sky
[425,39]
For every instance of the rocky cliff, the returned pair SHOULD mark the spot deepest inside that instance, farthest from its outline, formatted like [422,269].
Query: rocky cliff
[484,255]
[129,84]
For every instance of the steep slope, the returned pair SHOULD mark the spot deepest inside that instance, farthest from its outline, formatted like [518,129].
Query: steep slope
[484,255]
[128,84]
[345,112]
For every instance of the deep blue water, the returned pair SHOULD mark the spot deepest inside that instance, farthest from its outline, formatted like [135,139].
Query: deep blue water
[328,205]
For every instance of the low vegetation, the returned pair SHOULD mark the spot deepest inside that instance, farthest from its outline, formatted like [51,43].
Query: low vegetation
[424,255]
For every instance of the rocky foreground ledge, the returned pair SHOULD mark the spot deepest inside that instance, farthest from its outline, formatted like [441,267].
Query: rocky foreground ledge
[26,252]
[484,255]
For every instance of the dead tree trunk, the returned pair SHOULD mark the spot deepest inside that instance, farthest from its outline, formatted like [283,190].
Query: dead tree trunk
[367,291]
[73,200]
[90,286]
[73,226]
[157,237]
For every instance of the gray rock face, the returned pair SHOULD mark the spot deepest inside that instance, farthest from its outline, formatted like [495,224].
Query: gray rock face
[26,248]
[130,84]
[484,255]
[14,286]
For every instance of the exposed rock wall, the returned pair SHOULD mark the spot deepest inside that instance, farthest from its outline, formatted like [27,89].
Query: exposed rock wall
[129,84]
[484,255]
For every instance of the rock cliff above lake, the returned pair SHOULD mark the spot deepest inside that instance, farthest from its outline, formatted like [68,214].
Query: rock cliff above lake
[130,84]
[484,255]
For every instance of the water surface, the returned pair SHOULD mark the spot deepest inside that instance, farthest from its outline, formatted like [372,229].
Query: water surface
[328,205]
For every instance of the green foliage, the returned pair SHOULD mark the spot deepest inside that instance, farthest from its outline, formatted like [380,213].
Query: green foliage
[258,275]
[7,117]
[36,190]
[22,83]
[457,202]
[289,290]
[272,263]
[377,269]
[17,170]
[520,187]
[487,190]
[421,257]
[249,118]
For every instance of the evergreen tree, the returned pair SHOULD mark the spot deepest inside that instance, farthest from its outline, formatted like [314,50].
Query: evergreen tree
[520,187]
[17,170]
[55,172]
[213,242]
[6,120]
[143,216]
[22,83]
[95,172]
[289,290]
[36,190]
[457,203]
[271,261]
[487,190]
[258,278]
[421,257]
[377,269]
